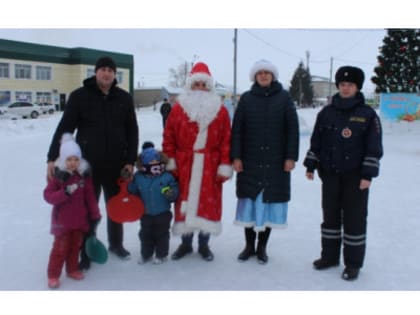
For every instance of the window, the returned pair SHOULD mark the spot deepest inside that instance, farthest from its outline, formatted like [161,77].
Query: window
[4,70]
[43,73]
[43,97]
[5,97]
[23,96]
[119,77]
[22,71]
[90,72]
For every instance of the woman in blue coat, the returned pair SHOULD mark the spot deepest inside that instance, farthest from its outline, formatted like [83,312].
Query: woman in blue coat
[264,148]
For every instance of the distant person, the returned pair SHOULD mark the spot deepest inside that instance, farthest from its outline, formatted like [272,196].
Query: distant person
[158,189]
[107,133]
[196,140]
[265,146]
[165,109]
[227,101]
[346,146]
[75,210]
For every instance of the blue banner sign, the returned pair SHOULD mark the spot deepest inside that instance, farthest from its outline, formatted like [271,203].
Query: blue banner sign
[400,106]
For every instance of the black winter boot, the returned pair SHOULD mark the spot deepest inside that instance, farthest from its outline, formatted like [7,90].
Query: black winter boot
[262,244]
[84,263]
[322,263]
[249,249]
[350,273]
[203,246]
[205,252]
[185,247]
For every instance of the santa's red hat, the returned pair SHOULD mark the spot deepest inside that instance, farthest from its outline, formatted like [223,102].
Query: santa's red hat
[200,72]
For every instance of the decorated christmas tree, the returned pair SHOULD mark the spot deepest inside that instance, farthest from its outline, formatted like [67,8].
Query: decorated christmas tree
[398,69]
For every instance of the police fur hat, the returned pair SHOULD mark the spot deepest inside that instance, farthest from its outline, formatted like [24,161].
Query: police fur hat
[106,62]
[350,74]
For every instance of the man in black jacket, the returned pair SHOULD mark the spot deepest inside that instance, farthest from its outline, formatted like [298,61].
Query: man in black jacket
[346,146]
[107,133]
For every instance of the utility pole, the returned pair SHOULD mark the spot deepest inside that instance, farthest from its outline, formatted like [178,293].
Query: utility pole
[300,88]
[307,60]
[235,48]
[330,83]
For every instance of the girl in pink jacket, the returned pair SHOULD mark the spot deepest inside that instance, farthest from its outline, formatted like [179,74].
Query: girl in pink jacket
[75,210]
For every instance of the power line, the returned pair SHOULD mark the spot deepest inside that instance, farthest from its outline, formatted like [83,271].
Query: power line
[356,61]
[320,61]
[271,45]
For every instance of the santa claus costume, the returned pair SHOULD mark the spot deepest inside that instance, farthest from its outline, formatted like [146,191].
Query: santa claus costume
[197,141]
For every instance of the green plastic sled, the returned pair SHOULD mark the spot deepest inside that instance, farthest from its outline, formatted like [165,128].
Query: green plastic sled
[96,250]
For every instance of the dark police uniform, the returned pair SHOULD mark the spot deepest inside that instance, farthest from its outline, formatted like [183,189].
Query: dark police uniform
[346,146]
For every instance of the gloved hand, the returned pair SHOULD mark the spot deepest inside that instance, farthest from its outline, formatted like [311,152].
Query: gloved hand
[125,173]
[93,224]
[71,189]
[168,192]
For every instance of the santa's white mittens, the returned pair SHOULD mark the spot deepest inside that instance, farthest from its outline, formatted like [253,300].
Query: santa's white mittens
[225,170]
[171,165]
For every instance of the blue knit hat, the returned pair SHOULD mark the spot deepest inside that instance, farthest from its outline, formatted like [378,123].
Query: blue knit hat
[149,156]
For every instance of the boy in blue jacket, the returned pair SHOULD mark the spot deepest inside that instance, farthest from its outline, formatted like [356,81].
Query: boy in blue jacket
[158,189]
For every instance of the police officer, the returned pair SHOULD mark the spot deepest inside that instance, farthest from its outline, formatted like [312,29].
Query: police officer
[346,146]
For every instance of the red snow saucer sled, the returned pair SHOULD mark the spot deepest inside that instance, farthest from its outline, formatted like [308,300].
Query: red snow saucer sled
[124,207]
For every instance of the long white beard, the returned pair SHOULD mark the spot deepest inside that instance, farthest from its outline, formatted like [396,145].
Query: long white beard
[200,106]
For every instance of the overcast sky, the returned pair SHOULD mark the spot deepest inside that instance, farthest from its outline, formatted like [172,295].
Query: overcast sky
[158,48]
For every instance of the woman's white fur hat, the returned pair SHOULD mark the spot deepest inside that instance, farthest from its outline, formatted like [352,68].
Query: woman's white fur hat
[263,65]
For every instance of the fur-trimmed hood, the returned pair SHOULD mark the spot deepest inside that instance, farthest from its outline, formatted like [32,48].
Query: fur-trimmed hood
[83,169]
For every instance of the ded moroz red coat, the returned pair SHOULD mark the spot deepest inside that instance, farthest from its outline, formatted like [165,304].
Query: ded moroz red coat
[197,141]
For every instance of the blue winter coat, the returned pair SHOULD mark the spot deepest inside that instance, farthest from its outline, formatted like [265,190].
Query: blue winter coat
[347,137]
[149,189]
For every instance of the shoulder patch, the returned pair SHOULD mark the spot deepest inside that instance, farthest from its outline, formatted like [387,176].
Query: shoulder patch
[358,119]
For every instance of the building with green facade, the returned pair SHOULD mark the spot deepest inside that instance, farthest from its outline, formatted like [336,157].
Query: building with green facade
[47,74]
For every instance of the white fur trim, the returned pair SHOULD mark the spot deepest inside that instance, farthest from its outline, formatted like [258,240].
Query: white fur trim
[171,165]
[260,228]
[204,77]
[61,164]
[191,205]
[200,106]
[263,65]
[197,224]
[179,228]
[225,170]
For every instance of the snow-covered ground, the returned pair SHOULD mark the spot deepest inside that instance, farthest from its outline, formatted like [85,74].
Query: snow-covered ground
[391,264]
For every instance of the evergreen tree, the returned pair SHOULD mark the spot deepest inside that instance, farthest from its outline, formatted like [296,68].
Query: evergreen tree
[301,89]
[398,67]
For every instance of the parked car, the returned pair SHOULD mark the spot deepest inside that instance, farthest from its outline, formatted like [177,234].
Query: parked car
[47,108]
[22,109]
